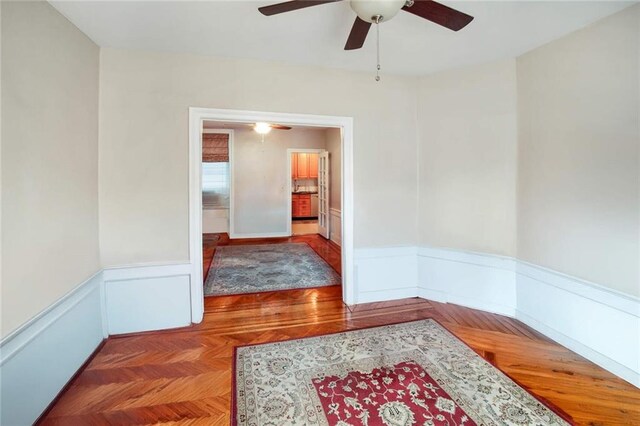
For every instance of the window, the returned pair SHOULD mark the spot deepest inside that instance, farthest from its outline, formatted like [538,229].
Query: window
[215,185]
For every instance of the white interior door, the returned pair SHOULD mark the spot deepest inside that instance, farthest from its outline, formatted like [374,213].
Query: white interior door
[323,194]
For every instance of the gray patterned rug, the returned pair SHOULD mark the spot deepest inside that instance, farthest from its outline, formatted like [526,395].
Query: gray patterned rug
[267,267]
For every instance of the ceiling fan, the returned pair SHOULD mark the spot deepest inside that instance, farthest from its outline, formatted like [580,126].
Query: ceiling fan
[376,11]
[264,128]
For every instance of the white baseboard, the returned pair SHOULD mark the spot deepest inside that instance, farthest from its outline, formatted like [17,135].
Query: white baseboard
[39,358]
[589,353]
[335,226]
[147,297]
[264,235]
[598,323]
[386,294]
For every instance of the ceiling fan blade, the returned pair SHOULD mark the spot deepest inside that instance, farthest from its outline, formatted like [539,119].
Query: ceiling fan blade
[440,14]
[280,127]
[289,6]
[358,34]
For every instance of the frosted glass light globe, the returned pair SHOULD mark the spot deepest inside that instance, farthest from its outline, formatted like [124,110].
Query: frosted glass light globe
[262,128]
[367,10]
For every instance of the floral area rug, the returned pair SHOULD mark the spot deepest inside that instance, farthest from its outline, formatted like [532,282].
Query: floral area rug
[267,267]
[414,373]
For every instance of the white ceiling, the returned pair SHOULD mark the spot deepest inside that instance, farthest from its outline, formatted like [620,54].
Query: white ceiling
[316,35]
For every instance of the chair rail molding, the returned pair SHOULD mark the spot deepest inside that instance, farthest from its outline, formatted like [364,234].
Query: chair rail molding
[601,324]
[63,335]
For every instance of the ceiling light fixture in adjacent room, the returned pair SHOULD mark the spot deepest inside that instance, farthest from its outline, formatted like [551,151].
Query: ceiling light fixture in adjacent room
[262,128]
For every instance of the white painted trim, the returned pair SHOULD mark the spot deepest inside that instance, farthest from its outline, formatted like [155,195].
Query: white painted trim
[39,358]
[232,198]
[592,355]
[147,297]
[195,214]
[386,273]
[288,198]
[598,323]
[385,252]
[333,235]
[594,321]
[583,288]
[146,270]
[477,280]
[21,336]
[196,118]
[264,235]
[386,294]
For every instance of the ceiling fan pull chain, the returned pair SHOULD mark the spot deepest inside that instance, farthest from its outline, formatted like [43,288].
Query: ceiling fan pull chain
[378,49]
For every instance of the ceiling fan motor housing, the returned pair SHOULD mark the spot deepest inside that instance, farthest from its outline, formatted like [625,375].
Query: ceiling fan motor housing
[375,11]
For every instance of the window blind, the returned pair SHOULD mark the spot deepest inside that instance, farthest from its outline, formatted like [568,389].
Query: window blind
[215,185]
[215,148]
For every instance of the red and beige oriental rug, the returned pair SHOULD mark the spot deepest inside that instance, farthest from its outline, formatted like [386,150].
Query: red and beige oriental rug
[414,373]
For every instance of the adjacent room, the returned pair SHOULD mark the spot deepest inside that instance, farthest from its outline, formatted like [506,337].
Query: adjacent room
[333,212]
[271,217]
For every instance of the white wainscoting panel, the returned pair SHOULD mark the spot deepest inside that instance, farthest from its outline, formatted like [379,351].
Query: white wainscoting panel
[39,358]
[479,281]
[385,273]
[335,226]
[598,323]
[144,298]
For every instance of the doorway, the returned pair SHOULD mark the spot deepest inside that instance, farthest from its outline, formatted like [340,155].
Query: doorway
[304,169]
[197,118]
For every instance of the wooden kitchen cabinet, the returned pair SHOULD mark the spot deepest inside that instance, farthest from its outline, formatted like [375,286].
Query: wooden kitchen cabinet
[304,165]
[313,166]
[300,205]
[295,205]
[294,166]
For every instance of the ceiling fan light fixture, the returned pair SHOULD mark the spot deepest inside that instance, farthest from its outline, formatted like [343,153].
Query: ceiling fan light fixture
[262,128]
[375,11]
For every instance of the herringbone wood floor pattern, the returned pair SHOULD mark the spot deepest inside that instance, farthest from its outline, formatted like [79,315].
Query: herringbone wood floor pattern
[184,376]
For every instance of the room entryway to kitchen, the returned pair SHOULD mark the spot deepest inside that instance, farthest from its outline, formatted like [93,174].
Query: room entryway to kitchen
[271,208]
[304,168]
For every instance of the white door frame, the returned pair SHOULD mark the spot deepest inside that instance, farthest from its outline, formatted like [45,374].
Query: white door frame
[288,186]
[196,118]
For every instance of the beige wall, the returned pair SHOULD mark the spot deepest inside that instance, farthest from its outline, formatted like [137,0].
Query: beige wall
[49,159]
[467,158]
[260,179]
[333,139]
[578,186]
[144,143]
